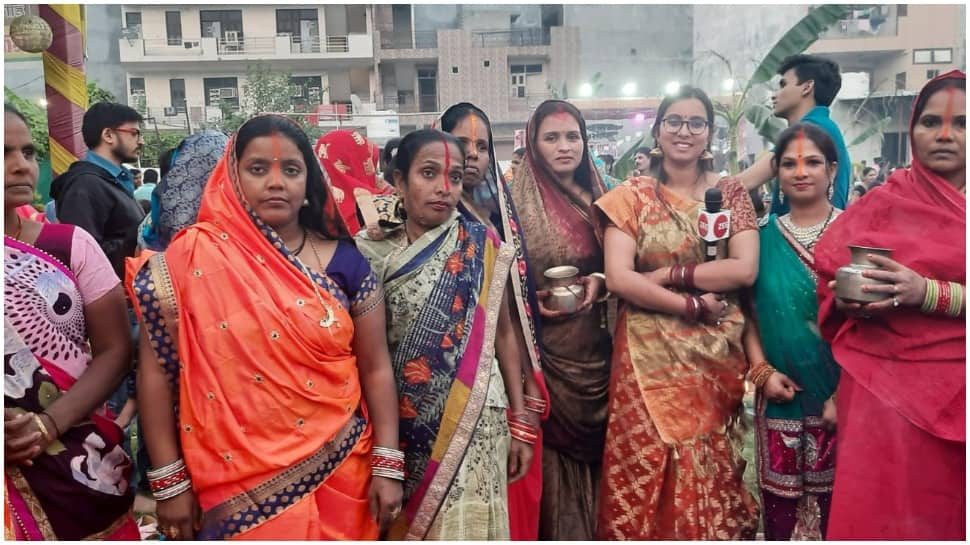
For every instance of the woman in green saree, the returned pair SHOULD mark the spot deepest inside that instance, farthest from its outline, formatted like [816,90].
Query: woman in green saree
[795,409]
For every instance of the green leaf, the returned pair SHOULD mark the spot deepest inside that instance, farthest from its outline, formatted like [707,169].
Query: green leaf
[797,39]
[764,121]
[879,128]
[36,121]
[624,165]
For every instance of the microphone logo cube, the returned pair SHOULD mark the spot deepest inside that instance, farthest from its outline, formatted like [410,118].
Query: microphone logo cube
[714,226]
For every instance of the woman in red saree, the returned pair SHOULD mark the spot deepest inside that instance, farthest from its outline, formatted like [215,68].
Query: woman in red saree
[66,475]
[263,328]
[901,401]
[349,159]
[672,467]
[486,198]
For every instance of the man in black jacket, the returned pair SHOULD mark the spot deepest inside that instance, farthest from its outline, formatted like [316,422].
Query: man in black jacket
[97,193]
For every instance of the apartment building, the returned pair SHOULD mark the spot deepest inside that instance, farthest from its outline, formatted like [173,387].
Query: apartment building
[887,53]
[500,57]
[185,63]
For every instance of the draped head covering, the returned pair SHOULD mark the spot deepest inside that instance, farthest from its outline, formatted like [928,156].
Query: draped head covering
[912,361]
[348,159]
[175,200]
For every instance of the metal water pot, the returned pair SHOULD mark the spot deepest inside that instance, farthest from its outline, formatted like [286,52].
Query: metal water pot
[566,293]
[849,279]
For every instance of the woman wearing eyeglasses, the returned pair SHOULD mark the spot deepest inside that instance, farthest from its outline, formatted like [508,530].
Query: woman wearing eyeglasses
[671,468]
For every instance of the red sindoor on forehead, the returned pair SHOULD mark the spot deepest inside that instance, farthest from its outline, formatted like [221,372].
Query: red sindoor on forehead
[948,113]
[447,163]
[275,169]
[800,152]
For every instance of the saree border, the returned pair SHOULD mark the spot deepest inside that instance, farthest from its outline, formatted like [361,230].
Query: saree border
[795,486]
[271,498]
[30,500]
[155,296]
[455,454]
[114,527]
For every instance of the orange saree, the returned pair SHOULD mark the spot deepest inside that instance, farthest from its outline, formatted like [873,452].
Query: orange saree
[671,466]
[269,400]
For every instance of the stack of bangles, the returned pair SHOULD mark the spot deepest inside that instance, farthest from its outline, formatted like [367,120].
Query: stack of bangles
[759,373]
[388,463]
[535,404]
[169,481]
[943,298]
[682,276]
[521,429]
[696,307]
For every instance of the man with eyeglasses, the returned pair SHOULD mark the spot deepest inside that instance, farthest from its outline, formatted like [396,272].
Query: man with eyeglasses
[97,193]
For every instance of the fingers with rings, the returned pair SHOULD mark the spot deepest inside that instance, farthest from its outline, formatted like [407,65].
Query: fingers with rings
[895,302]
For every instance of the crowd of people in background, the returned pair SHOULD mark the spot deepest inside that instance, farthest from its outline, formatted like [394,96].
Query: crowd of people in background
[281,339]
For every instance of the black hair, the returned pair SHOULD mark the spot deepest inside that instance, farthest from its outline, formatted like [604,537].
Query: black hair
[105,115]
[165,161]
[644,150]
[414,141]
[684,93]
[134,171]
[310,216]
[823,72]
[867,170]
[814,133]
[520,152]
[9,109]
[931,89]
[452,116]
[387,159]
[860,189]
[757,201]
[150,176]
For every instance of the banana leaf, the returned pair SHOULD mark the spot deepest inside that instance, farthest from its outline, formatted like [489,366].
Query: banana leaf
[765,122]
[797,40]
[878,129]
[624,165]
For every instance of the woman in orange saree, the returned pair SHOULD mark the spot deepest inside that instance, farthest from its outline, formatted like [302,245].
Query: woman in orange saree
[263,335]
[672,467]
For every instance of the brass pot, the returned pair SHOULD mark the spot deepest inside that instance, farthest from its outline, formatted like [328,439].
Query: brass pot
[566,298]
[849,279]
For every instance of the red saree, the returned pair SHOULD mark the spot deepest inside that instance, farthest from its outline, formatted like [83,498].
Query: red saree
[348,159]
[269,399]
[900,468]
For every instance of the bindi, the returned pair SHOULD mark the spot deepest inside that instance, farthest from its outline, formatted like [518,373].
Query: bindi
[948,112]
[275,169]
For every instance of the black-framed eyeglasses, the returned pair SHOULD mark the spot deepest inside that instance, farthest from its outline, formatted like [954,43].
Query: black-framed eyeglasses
[695,125]
[134,132]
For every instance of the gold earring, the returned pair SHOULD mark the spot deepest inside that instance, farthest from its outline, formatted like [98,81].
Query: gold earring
[657,153]
[707,155]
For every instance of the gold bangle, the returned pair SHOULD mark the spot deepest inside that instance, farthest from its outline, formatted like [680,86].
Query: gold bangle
[42,428]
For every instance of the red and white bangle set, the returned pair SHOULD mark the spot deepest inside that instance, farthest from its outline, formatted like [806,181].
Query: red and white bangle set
[169,481]
[388,463]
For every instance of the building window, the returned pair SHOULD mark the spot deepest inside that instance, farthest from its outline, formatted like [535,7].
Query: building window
[427,89]
[520,74]
[305,91]
[901,10]
[221,90]
[221,23]
[133,20]
[173,27]
[901,81]
[930,74]
[176,93]
[932,56]
[302,27]
[137,86]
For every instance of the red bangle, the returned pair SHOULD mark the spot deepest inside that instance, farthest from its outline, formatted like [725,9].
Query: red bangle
[943,303]
[157,485]
[689,275]
[535,404]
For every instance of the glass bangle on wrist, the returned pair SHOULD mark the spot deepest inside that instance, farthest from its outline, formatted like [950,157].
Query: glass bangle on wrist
[602,277]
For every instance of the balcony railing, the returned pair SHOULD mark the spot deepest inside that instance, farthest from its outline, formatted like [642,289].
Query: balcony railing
[247,46]
[512,38]
[136,49]
[410,105]
[865,21]
[163,47]
[421,39]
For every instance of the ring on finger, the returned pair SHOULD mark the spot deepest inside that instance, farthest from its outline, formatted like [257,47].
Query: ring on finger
[895,302]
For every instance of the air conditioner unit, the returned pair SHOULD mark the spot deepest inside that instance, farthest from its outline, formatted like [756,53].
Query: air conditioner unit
[190,45]
[171,111]
[227,92]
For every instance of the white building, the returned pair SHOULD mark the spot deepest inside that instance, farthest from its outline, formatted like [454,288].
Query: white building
[182,61]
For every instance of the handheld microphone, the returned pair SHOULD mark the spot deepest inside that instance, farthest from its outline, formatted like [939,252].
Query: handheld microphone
[713,223]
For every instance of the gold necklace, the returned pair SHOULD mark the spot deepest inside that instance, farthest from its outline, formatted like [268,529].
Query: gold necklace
[327,320]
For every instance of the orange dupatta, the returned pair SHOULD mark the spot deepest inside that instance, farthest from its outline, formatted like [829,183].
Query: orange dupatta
[267,395]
